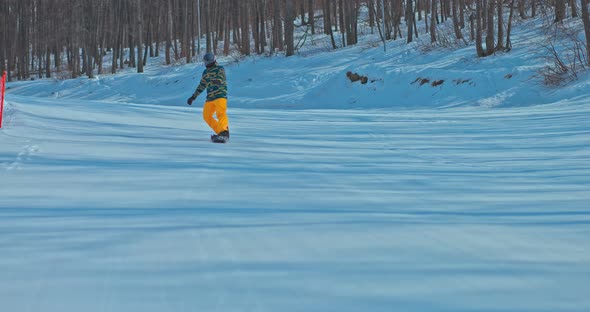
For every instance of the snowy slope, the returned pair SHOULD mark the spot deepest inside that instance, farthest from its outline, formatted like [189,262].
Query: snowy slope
[318,80]
[331,196]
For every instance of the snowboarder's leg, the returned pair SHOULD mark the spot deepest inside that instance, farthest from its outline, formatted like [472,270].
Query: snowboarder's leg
[219,108]
[208,111]
[220,112]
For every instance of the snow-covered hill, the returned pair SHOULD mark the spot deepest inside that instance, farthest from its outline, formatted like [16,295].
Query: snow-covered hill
[331,196]
[400,78]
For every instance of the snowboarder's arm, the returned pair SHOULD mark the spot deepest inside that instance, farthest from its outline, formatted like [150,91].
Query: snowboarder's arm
[202,86]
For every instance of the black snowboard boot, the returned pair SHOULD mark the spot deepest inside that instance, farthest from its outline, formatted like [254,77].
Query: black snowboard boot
[221,137]
[224,133]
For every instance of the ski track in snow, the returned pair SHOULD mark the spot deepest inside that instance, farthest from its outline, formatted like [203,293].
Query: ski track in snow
[453,210]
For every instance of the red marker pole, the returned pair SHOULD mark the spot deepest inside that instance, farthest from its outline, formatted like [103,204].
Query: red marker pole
[2,97]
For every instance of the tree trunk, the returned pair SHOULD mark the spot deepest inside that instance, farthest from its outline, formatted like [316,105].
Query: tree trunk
[574,8]
[289,27]
[328,22]
[245,26]
[433,22]
[508,42]
[559,10]
[410,20]
[277,41]
[521,10]
[227,23]
[500,44]
[311,16]
[586,20]
[462,14]
[169,30]
[139,21]
[456,22]
[490,28]
[478,35]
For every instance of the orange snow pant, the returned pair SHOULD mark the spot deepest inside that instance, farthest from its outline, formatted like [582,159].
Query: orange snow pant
[217,107]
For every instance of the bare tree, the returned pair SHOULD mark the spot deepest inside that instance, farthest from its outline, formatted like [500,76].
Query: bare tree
[433,21]
[559,10]
[289,28]
[311,15]
[328,22]
[573,8]
[410,20]
[509,28]
[456,21]
[500,17]
[139,21]
[478,32]
[490,27]
[586,20]
[169,31]
[521,10]
[40,37]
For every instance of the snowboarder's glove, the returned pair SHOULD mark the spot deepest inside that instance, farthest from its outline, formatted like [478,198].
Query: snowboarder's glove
[190,100]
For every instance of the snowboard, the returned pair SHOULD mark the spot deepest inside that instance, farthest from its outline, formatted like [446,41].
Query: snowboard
[219,139]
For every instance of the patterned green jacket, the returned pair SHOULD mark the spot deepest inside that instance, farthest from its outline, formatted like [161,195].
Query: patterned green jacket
[214,81]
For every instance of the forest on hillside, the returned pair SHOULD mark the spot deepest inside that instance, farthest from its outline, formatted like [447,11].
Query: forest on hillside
[39,38]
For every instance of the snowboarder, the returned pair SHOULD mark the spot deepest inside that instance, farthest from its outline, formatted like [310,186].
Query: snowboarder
[213,80]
